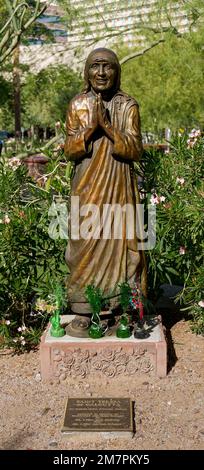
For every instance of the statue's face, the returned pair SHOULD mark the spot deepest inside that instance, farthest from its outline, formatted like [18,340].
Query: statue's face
[102,73]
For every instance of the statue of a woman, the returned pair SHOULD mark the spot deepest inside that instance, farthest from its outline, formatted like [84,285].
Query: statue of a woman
[103,139]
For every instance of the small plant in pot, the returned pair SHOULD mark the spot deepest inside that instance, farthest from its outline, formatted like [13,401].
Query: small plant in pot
[123,330]
[95,298]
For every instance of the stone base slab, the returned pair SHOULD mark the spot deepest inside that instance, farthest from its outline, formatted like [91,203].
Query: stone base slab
[106,357]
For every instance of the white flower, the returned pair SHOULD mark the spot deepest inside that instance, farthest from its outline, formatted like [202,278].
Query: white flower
[23,343]
[7,322]
[180,180]
[14,163]
[23,328]
[182,250]
[6,220]
[191,142]
[19,328]
[201,303]
[191,134]
[195,133]
[198,133]
[154,199]
[22,338]
[193,137]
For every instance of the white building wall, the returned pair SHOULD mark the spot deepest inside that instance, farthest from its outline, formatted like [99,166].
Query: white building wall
[98,19]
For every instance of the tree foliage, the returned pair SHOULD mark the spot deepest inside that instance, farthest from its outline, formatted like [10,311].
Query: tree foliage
[168,83]
[148,24]
[45,96]
[6,103]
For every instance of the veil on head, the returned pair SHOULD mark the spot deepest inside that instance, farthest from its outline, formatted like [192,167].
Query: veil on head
[111,57]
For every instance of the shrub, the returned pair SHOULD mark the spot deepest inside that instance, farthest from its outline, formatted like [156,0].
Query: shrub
[31,261]
[174,183]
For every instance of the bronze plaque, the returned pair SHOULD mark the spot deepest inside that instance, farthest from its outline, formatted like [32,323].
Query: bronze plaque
[98,414]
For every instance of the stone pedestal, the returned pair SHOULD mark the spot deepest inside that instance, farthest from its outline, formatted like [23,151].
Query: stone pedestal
[106,357]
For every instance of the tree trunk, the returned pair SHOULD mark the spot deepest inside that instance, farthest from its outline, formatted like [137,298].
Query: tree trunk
[17,91]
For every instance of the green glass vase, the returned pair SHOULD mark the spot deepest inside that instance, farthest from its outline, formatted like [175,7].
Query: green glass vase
[57,332]
[95,331]
[56,329]
[123,330]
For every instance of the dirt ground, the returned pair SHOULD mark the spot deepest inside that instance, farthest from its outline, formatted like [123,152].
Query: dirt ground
[169,412]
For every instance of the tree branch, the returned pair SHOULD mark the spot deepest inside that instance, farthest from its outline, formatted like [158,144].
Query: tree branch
[138,54]
[13,30]
[10,48]
[36,15]
[10,20]
[5,39]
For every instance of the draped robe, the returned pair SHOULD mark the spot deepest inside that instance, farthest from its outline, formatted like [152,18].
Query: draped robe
[103,175]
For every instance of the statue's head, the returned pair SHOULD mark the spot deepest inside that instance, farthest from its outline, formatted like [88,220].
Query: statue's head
[102,71]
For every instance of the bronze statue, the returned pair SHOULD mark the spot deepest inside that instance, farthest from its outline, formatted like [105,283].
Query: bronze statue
[103,139]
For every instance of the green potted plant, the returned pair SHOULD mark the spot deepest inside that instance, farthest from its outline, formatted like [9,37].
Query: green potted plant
[95,298]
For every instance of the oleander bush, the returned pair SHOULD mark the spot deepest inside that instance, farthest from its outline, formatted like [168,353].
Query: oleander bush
[31,250]
[174,183]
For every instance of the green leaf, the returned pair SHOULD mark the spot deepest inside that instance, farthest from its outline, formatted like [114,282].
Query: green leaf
[172,270]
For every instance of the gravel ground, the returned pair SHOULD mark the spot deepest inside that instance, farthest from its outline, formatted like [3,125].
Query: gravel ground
[169,412]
